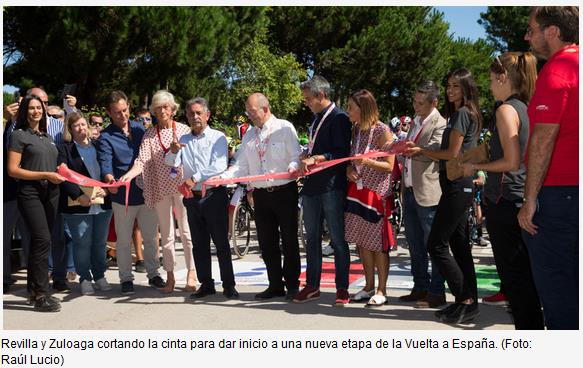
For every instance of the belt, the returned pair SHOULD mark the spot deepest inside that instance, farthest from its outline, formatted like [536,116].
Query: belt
[277,187]
[198,193]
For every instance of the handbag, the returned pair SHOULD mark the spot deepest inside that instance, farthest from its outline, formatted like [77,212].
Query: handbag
[90,192]
[477,155]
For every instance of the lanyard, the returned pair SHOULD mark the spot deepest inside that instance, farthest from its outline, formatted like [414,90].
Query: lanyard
[262,144]
[313,134]
[166,149]
[367,148]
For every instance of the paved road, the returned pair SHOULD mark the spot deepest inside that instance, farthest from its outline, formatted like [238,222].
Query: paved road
[149,309]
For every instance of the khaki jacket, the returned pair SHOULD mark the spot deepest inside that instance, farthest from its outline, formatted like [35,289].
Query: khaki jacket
[425,171]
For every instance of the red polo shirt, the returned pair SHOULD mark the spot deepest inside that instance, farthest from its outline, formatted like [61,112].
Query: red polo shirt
[556,101]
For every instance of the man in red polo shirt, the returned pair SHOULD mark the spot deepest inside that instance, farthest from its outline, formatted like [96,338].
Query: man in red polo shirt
[550,214]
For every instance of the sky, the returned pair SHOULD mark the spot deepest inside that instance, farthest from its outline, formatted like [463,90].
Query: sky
[462,23]
[463,20]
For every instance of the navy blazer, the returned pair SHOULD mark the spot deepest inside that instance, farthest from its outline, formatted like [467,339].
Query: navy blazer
[332,141]
[69,155]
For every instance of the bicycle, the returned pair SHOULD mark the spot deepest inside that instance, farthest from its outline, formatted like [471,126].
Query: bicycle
[472,229]
[243,216]
[396,218]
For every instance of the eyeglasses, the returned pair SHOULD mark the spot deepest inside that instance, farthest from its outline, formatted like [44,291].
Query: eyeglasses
[144,118]
[96,124]
[530,30]
[56,116]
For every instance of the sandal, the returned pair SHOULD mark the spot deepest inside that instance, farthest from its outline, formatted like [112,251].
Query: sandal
[362,295]
[190,281]
[376,301]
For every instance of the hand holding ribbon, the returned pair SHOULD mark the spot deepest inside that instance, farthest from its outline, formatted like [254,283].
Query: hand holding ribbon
[395,148]
[76,178]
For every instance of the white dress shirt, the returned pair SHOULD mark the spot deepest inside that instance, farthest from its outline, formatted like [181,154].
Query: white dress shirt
[415,129]
[272,149]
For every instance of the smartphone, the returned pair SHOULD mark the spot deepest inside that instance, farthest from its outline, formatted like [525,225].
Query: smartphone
[16,95]
[68,89]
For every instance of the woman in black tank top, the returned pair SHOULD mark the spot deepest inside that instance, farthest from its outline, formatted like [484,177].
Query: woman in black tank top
[512,80]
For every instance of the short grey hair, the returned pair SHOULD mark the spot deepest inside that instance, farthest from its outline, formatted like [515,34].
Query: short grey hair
[199,101]
[429,89]
[316,85]
[163,97]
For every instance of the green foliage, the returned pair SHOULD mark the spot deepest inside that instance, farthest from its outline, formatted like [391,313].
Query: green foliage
[136,49]
[226,53]
[506,26]
[476,57]
[8,98]
[387,50]
[230,129]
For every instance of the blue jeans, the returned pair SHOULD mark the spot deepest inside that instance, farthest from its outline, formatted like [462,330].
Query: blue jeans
[418,221]
[554,255]
[60,254]
[329,205]
[88,234]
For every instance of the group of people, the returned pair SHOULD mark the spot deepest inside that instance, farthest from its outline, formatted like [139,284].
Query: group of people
[531,192]
[532,188]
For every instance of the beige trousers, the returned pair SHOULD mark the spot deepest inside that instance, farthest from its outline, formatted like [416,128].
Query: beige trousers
[166,219]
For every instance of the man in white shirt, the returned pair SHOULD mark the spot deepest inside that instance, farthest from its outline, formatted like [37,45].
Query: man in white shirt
[272,146]
[421,195]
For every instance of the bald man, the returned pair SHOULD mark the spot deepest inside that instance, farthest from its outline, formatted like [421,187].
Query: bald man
[272,146]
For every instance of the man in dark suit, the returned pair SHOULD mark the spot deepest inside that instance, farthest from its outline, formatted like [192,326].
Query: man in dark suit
[324,193]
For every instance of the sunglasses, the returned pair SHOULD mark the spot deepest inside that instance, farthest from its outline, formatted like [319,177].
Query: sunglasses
[56,116]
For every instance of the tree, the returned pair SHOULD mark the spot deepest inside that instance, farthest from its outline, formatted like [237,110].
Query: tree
[137,49]
[387,50]
[506,26]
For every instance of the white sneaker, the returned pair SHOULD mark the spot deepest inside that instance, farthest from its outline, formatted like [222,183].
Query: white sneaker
[328,250]
[484,242]
[103,285]
[87,288]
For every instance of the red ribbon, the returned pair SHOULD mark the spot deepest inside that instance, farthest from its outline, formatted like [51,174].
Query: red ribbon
[76,178]
[396,148]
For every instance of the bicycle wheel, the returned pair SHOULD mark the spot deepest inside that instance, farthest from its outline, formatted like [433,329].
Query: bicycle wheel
[472,227]
[241,231]
[397,216]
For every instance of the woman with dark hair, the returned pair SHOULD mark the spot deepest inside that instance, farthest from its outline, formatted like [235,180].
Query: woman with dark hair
[32,158]
[369,185]
[449,229]
[85,212]
[512,80]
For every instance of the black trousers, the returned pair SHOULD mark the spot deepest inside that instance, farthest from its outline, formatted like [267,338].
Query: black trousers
[449,231]
[513,265]
[38,202]
[208,219]
[277,213]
